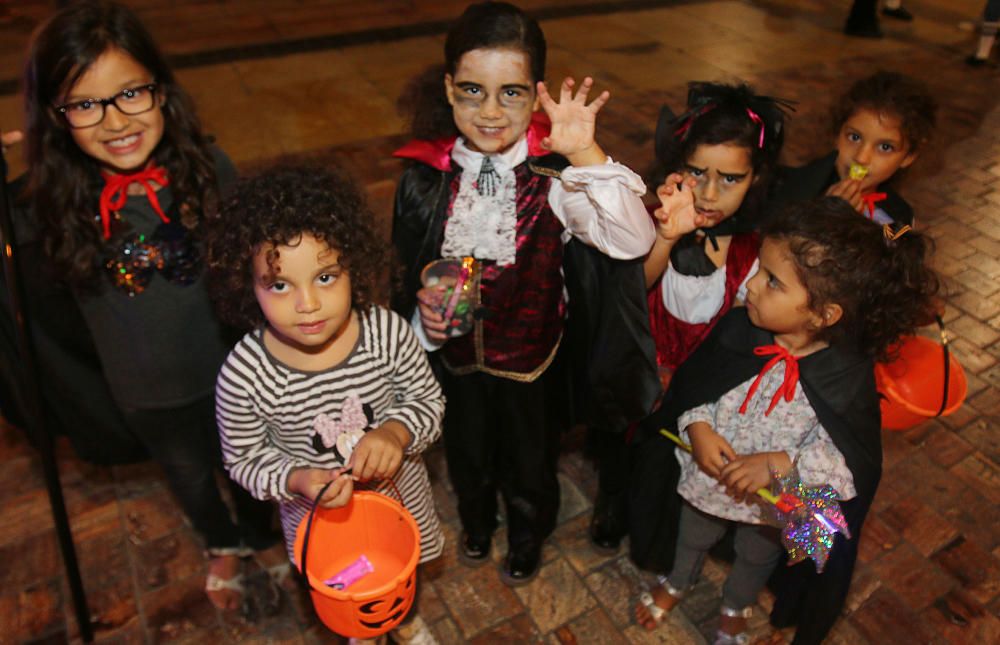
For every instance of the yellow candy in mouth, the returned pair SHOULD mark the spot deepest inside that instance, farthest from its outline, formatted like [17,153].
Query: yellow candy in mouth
[858,171]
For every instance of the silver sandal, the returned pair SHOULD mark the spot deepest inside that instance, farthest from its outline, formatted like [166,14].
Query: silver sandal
[725,638]
[656,612]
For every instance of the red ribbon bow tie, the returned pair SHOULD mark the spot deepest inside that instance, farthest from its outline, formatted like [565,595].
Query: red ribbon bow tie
[869,202]
[787,388]
[115,193]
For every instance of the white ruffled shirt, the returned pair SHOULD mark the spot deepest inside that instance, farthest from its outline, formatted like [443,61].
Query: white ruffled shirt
[697,299]
[600,205]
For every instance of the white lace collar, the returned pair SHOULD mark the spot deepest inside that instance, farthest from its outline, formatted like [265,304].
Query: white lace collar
[471,161]
[484,226]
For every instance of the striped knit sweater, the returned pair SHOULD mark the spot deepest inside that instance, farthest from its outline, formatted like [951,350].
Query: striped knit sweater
[267,412]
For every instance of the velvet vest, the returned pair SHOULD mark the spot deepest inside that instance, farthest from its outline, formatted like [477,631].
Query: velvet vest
[676,339]
[519,318]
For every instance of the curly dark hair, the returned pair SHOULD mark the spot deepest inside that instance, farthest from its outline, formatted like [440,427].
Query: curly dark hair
[277,206]
[484,25]
[885,287]
[894,94]
[63,182]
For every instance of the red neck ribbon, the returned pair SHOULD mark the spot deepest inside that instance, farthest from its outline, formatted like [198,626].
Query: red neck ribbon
[870,200]
[115,193]
[787,388]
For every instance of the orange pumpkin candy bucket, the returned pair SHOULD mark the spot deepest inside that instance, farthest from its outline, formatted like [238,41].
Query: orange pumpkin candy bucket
[330,540]
[924,380]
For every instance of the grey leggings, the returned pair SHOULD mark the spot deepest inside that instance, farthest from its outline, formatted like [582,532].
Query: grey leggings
[757,552]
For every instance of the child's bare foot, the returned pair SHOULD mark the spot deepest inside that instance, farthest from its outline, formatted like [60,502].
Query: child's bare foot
[654,605]
[224,585]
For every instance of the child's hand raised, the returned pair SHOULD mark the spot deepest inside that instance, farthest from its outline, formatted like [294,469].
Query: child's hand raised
[677,215]
[573,122]
[849,190]
[746,474]
[7,139]
[711,452]
[380,452]
[307,482]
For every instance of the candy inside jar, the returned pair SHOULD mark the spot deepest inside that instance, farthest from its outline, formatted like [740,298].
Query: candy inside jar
[457,292]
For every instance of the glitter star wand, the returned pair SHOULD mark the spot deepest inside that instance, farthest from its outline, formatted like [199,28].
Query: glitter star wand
[809,516]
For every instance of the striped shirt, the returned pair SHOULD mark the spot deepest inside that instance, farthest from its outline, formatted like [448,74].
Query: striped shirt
[268,413]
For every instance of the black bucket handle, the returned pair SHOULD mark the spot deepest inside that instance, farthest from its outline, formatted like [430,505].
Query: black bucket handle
[947,364]
[312,515]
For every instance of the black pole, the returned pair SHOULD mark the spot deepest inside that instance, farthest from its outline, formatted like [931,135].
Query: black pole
[33,412]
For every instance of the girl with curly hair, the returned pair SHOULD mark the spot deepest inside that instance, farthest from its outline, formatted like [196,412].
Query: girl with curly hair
[120,177]
[327,386]
[785,382]
[880,125]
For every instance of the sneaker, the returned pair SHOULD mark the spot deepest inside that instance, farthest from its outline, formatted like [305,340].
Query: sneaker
[870,30]
[899,13]
[973,61]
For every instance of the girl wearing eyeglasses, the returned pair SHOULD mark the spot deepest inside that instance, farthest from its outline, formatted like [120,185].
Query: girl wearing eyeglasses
[120,178]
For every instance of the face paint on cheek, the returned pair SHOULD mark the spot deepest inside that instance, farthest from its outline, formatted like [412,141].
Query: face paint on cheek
[467,103]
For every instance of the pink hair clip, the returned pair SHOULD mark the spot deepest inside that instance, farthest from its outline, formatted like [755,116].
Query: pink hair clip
[756,119]
[682,130]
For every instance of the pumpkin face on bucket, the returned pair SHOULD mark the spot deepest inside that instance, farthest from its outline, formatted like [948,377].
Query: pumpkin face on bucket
[379,528]
[377,613]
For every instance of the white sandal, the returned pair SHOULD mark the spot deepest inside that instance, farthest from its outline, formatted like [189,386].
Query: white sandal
[725,638]
[215,583]
[656,612]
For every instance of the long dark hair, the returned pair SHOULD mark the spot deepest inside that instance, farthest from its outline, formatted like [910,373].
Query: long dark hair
[64,183]
[486,25]
[879,277]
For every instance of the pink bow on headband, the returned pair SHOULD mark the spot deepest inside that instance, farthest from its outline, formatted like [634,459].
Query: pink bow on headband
[686,124]
[352,418]
[756,119]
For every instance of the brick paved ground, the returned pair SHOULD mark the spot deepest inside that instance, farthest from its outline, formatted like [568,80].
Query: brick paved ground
[930,554]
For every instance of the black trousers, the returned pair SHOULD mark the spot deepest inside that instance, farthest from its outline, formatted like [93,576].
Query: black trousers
[185,442]
[503,435]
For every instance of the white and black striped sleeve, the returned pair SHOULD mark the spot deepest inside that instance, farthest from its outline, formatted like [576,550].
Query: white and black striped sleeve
[419,402]
[248,451]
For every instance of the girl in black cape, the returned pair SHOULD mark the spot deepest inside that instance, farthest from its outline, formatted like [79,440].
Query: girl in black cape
[816,319]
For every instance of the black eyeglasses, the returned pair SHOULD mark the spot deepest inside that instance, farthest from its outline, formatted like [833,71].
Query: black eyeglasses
[90,112]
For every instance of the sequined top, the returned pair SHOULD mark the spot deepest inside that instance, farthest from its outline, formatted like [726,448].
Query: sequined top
[161,347]
[792,427]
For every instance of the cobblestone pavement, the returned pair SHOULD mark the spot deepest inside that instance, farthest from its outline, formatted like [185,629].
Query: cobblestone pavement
[320,79]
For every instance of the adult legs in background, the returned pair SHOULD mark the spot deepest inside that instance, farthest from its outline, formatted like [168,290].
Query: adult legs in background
[987,34]
[862,21]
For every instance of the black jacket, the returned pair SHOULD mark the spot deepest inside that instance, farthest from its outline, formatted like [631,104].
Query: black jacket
[811,180]
[76,400]
[611,351]
[840,386]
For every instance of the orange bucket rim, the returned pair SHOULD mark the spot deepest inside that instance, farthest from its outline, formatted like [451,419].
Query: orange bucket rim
[316,585]
[958,378]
